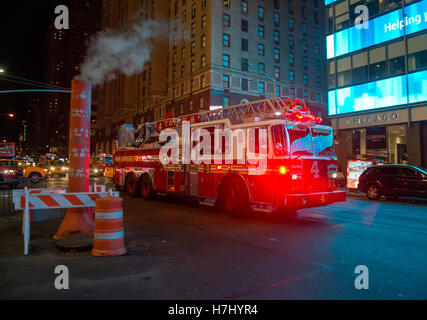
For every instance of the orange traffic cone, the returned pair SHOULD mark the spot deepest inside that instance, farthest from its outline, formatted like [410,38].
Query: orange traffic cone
[109,235]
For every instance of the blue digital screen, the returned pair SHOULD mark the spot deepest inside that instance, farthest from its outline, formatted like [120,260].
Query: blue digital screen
[379,94]
[327,2]
[387,27]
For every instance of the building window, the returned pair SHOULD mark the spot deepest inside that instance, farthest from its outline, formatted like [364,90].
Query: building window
[193,29]
[184,17]
[261,87]
[318,82]
[360,68]
[226,60]
[305,63]
[226,81]
[291,75]
[261,67]
[203,61]
[292,93]
[261,13]
[226,40]
[344,71]
[225,101]
[193,47]
[291,59]
[244,25]
[226,20]
[291,41]
[305,95]
[192,66]
[203,41]
[244,64]
[183,53]
[244,44]
[377,66]
[417,52]
[261,31]
[318,97]
[305,79]
[303,12]
[291,24]
[261,49]
[276,36]
[304,28]
[276,19]
[244,6]
[277,73]
[203,21]
[304,45]
[396,58]
[276,54]
[244,84]
[193,11]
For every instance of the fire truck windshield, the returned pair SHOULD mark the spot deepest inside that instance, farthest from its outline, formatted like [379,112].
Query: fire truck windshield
[300,140]
[323,141]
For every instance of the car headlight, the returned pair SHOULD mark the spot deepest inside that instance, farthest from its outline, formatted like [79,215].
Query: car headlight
[64,169]
[96,170]
[52,168]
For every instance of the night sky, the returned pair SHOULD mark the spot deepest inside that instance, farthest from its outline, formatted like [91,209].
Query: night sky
[23,29]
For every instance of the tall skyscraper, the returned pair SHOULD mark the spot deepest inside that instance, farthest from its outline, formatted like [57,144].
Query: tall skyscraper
[65,52]
[377,79]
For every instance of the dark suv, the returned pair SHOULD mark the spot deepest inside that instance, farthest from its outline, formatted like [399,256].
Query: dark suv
[393,181]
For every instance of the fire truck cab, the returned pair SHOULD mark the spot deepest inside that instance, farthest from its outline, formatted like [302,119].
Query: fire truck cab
[300,170]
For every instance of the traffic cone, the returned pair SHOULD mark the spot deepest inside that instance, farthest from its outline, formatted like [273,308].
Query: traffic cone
[108,238]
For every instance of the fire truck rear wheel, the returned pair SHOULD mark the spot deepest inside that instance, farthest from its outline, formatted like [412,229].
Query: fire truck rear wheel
[234,199]
[132,186]
[146,187]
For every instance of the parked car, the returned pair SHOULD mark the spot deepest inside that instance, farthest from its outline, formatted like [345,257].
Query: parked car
[393,181]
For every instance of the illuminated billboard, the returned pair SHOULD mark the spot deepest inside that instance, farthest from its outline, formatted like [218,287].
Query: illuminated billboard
[389,26]
[401,90]
[327,2]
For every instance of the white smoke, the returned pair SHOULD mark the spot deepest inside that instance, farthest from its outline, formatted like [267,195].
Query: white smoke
[112,52]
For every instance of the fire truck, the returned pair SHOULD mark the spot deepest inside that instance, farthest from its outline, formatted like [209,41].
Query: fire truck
[301,167]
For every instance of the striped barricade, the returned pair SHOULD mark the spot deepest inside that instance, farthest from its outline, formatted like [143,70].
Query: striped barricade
[45,200]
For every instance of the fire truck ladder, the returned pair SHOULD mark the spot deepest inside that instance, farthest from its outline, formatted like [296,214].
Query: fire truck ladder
[263,109]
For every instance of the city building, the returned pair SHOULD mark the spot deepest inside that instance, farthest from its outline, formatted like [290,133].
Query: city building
[220,53]
[377,79]
[132,99]
[65,52]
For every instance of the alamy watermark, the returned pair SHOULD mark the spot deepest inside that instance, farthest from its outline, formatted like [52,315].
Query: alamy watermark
[240,146]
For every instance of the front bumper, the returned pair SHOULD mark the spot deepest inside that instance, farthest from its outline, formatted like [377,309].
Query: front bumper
[308,200]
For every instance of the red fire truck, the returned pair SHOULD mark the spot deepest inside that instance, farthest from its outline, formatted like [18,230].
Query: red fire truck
[301,163]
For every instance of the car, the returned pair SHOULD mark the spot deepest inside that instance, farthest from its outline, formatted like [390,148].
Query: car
[10,170]
[393,181]
[35,173]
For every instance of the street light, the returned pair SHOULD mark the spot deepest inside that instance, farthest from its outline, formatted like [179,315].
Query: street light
[10,115]
[266,75]
[1,70]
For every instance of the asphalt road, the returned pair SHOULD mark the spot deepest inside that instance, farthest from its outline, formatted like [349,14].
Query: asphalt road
[180,250]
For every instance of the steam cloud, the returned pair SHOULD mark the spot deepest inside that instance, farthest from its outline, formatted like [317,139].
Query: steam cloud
[111,52]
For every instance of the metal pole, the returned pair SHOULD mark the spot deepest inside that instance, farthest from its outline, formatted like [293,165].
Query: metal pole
[26,222]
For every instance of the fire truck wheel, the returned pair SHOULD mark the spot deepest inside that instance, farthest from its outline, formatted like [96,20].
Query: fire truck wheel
[146,187]
[234,199]
[132,187]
